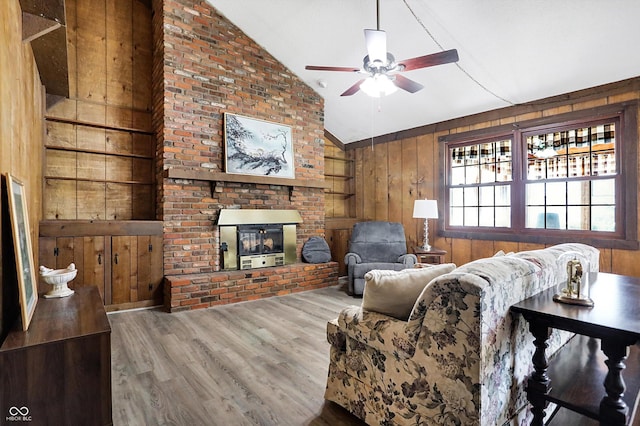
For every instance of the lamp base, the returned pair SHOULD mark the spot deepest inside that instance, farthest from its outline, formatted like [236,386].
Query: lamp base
[425,247]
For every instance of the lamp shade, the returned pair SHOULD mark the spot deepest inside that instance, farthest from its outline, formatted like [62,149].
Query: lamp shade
[426,209]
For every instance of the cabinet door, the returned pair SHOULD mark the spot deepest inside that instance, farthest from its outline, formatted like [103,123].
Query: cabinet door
[124,252]
[150,268]
[46,257]
[93,271]
[87,253]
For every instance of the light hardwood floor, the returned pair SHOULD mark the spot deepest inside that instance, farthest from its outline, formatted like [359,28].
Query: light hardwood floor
[254,363]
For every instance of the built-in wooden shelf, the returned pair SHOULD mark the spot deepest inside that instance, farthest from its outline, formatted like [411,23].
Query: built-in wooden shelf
[97,126]
[330,157]
[98,151]
[342,194]
[205,175]
[342,176]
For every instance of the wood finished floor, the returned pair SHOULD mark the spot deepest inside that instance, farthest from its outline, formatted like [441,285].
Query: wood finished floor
[254,363]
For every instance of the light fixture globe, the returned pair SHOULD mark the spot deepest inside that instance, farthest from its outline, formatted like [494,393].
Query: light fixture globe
[378,85]
[58,278]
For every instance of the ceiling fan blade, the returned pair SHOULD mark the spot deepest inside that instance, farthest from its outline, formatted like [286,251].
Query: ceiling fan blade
[376,45]
[322,68]
[430,60]
[407,84]
[353,89]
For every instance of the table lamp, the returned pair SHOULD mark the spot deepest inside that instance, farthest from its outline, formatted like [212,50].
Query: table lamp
[427,209]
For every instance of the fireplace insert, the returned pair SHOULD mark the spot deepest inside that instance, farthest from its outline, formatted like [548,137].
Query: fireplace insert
[260,245]
[257,238]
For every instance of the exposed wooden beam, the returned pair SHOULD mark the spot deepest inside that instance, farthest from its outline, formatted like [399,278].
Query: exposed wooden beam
[43,25]
[337,142]
[52,10]
[50,52]
[34,26]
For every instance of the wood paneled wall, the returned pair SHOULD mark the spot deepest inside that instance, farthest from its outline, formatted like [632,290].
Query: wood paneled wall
[21,131]
[100,146]
[394,172]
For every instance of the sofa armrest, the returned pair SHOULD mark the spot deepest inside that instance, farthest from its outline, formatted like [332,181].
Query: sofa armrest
[384,333]
[335,336]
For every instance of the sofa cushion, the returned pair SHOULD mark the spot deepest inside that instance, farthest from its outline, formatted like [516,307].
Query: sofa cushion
[394,293]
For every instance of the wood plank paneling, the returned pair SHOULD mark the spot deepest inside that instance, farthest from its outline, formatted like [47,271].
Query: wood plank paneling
[61,135]
[119,62]
[142,63]
[149,276]
[93,201]
[409,178]
[119,201]
[21,140]
[380,188]
[110,46]
[122,250]
[60,199]
[376,180]
[91,55]
[93,267]
[91,166]
[60,164]
[394,175]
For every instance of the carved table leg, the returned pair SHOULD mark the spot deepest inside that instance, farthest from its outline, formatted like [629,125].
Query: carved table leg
[538,384]
[613,410]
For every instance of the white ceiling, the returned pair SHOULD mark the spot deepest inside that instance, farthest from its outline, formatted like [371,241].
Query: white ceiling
[519,51]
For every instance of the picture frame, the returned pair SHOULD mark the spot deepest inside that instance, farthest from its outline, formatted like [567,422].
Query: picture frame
[257,147]
[27,278]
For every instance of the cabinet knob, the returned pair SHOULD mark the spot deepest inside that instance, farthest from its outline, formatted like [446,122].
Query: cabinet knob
[99,258]
[115,258]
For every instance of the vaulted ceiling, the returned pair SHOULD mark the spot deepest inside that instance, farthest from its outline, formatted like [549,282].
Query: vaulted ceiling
[511,52]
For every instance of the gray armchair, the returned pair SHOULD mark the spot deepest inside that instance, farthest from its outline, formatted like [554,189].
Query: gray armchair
[375,245]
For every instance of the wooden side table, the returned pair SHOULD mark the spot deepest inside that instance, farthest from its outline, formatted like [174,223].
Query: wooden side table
[434,256]
[615,321]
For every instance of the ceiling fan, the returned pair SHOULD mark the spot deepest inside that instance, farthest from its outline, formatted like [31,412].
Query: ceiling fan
[382,68]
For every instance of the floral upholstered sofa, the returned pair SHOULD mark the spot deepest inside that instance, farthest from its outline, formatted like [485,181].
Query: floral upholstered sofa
[460,358]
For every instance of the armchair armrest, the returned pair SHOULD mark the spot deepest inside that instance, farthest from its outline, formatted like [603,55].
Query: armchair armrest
[408,259]
[352,258]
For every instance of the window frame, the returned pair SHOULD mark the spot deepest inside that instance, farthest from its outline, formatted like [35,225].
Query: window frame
[626,179]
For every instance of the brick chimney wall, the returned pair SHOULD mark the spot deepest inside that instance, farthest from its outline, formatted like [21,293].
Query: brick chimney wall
[204,66]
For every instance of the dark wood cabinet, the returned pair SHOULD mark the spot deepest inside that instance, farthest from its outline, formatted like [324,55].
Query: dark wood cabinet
[59,370]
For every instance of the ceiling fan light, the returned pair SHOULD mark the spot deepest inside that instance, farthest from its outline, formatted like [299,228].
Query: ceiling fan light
[378,85]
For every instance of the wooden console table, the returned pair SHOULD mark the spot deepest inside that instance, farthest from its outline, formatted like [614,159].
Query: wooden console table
[59,371]
[615,321]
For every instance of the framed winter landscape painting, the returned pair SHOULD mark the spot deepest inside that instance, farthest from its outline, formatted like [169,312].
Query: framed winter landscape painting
[257,147]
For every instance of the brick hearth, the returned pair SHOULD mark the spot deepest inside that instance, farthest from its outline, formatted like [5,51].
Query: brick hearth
[203,67]
[218,288]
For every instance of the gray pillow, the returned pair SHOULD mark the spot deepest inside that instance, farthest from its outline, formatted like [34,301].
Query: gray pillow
[316,250]
[394,293]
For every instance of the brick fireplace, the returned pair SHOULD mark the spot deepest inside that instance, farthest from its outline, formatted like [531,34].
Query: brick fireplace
[203,67]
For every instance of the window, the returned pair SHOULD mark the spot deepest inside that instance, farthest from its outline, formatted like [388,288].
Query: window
[572,178]
[481,180]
